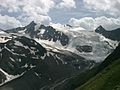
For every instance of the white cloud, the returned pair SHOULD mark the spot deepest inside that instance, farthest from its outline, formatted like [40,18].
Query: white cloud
[9,22]
[10,5]
[37,18]
[38,6]
[90,23]
[67,4]
[111,7]
[29,10]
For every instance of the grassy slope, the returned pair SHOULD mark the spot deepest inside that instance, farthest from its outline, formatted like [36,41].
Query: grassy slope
[108,79]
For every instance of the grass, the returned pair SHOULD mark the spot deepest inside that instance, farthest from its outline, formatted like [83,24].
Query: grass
[108,79]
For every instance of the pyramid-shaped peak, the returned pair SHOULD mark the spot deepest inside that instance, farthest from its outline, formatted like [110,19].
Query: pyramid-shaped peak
[32,23]
[100,28]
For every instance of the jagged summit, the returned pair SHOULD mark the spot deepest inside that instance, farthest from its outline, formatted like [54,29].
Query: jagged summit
[32,23]
[30,27]
[46,56]
[41,32]
[100,29]
[110,34]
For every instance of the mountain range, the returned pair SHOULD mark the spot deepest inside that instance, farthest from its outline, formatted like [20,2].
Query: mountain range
[39,57]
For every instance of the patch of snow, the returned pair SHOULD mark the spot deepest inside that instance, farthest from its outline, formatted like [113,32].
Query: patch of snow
[12,59]
[43,57]
[17,43]
[56,44]
[19,60]
[2,32]
[25,66]
[3,39]
[76,29]
[50,79]
[36,74]
[6,74]
[112,43]
[41,31]
[22,31]
[9,77]
[59,59]
[31,66]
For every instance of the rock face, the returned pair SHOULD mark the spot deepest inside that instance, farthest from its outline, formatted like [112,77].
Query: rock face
[42,32]
[84,48]
[35,67]
[113,34]
[51,34]
[107,76]
[28,65]
[2,77]
[115,55]
[18,54]
[62,38]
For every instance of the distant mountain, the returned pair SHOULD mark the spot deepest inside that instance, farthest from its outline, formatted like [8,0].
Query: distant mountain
[109,76]
[87,44]
[42,32]
[113,34]
[39,57]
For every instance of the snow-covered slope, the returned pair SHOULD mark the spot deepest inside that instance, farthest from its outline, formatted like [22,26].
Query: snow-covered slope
[45,56]
[4,37]
[64,37]
[21,55]
[17,56]
[2,32]
[96,41]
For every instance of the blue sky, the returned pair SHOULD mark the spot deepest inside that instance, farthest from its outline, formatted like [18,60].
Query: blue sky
[63,15]
[88,14]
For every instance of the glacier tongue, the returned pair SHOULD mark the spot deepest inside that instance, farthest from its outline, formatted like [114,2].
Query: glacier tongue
[82,38]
